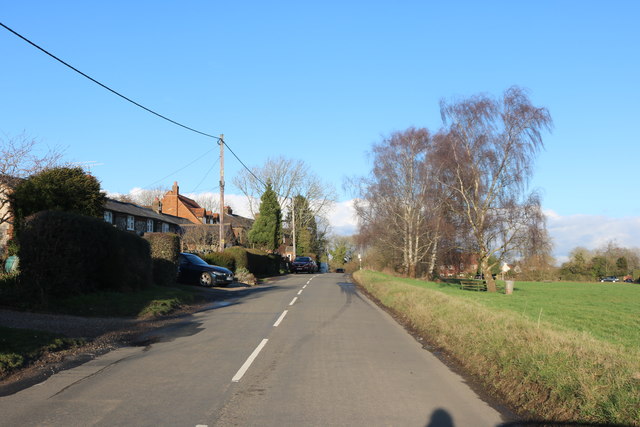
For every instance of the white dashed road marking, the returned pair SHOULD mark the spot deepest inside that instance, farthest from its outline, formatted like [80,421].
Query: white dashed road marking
[238,376]
[284,313]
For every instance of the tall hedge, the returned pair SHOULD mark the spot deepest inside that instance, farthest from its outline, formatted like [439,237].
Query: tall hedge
[221,259]
[165,248]
[255,261]
[63,253]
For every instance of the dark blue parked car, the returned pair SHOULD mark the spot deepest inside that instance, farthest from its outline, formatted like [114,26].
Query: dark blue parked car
[193,269]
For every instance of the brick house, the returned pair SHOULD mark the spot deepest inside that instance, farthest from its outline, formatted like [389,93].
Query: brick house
[137,219]
[7,184]
[455,264]
[176,204]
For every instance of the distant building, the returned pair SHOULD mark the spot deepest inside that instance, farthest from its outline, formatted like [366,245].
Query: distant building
[174,203]
[204,238]
[137,219]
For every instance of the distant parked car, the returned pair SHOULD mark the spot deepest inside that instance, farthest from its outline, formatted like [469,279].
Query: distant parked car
[609,279]
[628,280]
[193,269]
[303,264]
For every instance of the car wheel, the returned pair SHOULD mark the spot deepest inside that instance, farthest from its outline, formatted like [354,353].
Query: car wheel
[206,279]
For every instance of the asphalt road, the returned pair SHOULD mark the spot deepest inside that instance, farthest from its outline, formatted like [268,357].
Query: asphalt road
[305,350]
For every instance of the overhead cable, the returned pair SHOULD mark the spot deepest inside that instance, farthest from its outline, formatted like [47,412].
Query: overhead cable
[245,166]
[181,169]
[107,87]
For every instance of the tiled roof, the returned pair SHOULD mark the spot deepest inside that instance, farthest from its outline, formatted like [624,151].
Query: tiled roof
[139,211]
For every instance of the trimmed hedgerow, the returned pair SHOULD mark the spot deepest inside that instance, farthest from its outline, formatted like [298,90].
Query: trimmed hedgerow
[165,248]
[255,261]
[221,259]
[63,254]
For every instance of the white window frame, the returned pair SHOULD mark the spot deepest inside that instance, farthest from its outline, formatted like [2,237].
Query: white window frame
[165,227]
[131,223]
[108,217]
[149,226]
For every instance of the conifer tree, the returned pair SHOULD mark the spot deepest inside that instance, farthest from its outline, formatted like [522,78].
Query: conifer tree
[266,232]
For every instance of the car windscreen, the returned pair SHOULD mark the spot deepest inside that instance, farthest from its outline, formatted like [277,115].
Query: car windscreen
[302,259]
[193,259]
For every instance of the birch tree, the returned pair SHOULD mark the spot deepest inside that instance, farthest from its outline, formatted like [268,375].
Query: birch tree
[486,154]
[398,205]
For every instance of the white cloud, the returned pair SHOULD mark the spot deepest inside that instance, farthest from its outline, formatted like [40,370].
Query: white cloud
[590,231]
[343,219]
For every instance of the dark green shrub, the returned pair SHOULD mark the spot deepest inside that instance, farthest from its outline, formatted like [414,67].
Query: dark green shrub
[165,248]
[63,189]
[222,259]
[133,265]
[63,254]
[255,261]
[10,290]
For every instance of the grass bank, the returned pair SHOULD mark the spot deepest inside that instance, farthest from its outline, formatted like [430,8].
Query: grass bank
[20,347]
[545,350]
[154,301]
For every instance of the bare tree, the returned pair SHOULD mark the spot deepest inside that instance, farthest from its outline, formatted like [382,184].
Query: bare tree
[398,204]
[146,196]
[209,201]
[486,155]
[289,178]
[20,158]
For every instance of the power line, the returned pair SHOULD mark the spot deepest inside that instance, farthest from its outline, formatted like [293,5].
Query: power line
[107,87]
[245,166]
[204,177]
[138,105]
[181,169]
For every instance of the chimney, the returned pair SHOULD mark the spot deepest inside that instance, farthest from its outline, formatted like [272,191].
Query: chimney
[175,188]
[157,205]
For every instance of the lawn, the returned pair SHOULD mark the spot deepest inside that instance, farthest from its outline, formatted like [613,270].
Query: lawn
[607,311]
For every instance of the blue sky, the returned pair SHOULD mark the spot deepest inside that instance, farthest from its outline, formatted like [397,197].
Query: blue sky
[322,81]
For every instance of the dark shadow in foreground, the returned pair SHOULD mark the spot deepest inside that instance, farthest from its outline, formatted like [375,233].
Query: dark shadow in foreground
[440,418]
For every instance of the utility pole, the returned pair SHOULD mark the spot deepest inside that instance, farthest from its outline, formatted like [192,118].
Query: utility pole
[221,216]
[293,220]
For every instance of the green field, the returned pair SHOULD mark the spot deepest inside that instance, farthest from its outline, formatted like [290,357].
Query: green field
[556,352]
[606,311]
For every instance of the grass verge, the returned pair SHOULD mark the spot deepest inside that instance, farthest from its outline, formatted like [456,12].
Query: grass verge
[18,347]
[535,366]
[154,301]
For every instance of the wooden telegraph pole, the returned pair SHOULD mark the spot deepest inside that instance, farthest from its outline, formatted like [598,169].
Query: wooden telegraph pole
[221,217]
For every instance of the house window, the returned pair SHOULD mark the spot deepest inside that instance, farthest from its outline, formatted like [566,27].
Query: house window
[130,222]
[165,227]
[149,226]
[108,217]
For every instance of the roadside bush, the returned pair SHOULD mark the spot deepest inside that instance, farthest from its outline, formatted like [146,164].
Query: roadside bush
[255,261]
[243,276]
[10,289]
[221,259]
[165,248]
[63,254]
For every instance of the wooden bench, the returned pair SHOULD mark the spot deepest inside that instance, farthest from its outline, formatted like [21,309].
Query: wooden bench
[473,285]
